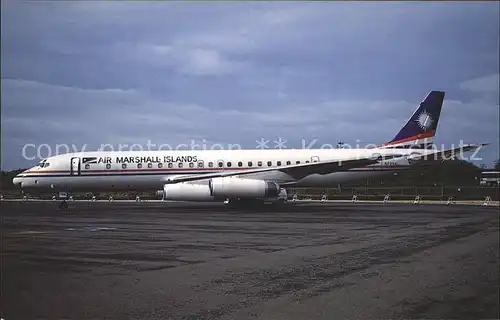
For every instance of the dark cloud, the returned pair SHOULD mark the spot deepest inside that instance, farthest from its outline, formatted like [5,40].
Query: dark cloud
[88,73]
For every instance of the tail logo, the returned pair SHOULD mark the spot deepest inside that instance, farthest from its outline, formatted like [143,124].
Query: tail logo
[424,120]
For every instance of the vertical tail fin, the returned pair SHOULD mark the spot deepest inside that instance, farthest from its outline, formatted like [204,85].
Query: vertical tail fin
[421,128]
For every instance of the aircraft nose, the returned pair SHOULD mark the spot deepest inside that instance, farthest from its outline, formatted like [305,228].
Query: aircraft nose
[17,180]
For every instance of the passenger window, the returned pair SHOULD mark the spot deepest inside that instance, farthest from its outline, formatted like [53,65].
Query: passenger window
[229,164]
[269,163]
[87,166]
[240,164]
[259,163]
[221,164]
[278,163]
[288,163]
[191,165]
[108,166]
[139,165]
[160,165]
[150,165]
[297,162]
[200,164]
[124,166]
[170,165]
[249,163]
[210,164]
[180,165]
[307,161]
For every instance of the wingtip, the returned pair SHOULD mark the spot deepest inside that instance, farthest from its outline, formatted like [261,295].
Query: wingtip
[479,145]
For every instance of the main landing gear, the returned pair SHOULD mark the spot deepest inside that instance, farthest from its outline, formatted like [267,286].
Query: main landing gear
[243,203]
[254,203]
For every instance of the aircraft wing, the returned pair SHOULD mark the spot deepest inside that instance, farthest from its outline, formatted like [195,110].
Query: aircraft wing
[297,171]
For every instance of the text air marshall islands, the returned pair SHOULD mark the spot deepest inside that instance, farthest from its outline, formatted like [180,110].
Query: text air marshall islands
[146,159]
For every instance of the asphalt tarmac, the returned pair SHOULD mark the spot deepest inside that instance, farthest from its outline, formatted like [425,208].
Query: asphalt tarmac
[307,261]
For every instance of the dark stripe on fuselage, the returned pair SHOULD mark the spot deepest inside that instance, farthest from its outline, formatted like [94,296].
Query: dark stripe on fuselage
[402,168]
[131,173]
[114,174]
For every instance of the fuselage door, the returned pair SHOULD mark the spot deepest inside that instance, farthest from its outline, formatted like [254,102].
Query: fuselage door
[314,159]
[75,166]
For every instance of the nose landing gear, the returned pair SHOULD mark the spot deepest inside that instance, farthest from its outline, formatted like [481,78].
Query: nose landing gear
[63,205]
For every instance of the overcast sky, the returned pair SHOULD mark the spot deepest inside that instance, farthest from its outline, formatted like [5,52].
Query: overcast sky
[90,73]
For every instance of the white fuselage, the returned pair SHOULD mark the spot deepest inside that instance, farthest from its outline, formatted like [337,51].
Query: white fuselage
[148,170]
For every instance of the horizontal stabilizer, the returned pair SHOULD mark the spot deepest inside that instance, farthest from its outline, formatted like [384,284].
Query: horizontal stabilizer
[442,155]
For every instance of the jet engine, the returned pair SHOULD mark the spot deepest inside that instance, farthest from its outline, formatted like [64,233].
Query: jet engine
[242,188]
[186,192]
[220,188]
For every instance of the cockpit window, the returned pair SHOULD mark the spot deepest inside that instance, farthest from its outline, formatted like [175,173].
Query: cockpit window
[43,164]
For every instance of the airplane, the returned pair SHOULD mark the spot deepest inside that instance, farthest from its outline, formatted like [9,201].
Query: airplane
[241,175]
